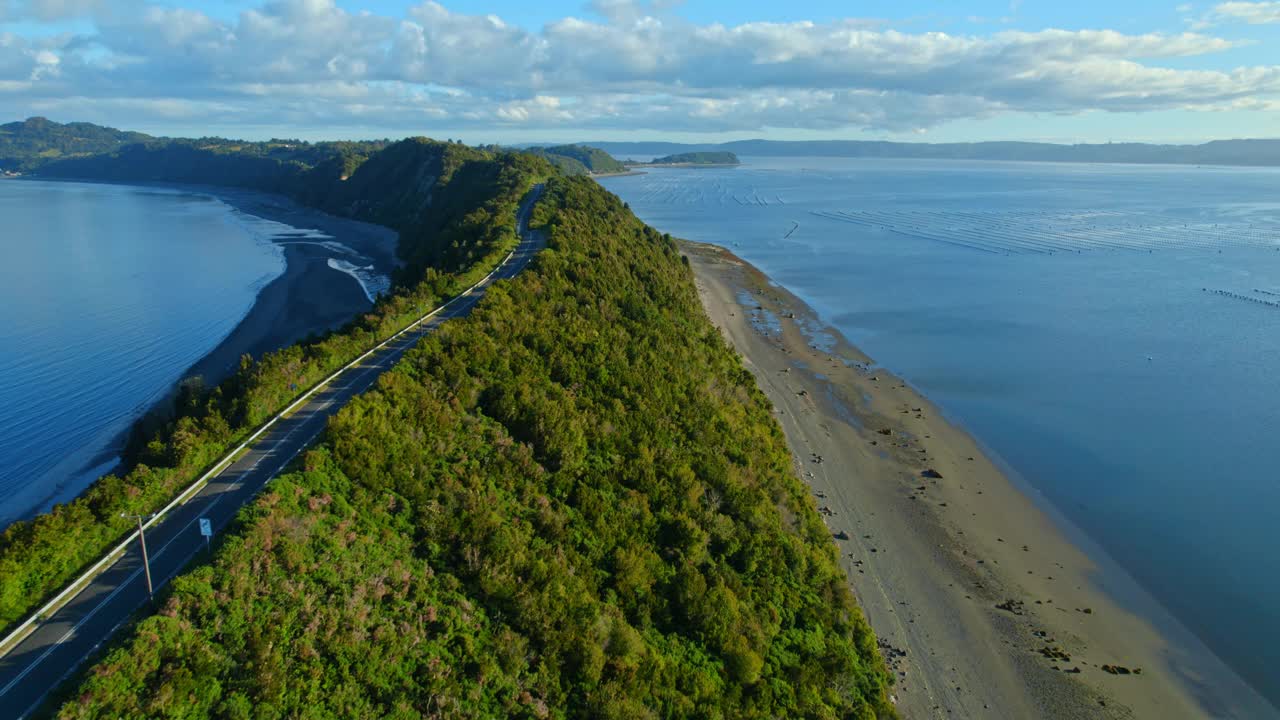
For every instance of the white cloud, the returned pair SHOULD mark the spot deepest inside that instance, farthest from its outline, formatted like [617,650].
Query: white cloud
[47,10]
[312,63]
[1253,13]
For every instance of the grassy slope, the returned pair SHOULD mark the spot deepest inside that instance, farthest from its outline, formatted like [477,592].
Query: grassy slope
[573,503]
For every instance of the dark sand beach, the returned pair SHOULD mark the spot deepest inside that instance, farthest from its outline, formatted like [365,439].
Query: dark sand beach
[310,297]
[984,604]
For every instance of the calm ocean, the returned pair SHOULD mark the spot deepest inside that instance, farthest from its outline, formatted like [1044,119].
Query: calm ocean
[1111,332]
[107,294]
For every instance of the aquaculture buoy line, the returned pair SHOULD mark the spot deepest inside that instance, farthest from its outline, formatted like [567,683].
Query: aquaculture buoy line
[1000,232]
[1247,298]
[1019,232]
[676,190]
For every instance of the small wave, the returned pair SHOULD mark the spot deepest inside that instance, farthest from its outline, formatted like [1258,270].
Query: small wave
[371,282]
[327,244]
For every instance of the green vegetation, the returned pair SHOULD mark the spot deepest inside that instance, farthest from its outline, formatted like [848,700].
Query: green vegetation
[309,171]
[579,159]
[573,503]
[454,207]
[27,145]
[698,158]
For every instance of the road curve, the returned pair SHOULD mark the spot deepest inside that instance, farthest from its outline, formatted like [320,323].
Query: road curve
[60,643]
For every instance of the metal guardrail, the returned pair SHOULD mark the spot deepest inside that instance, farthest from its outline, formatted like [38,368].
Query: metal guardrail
[74,587]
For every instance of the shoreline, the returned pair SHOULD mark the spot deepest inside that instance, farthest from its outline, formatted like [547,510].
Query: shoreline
[309,297]
[986,603]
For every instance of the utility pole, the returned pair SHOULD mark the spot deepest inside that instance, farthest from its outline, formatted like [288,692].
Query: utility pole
[146,564]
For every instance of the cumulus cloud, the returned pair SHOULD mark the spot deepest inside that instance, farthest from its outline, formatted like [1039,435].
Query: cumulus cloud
[1253,13]
[1235,12]
[312,63]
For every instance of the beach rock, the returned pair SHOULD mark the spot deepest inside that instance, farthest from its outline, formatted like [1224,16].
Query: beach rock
[931,473]
[1010,605]
[1054,653]
[885,431]
[842,535]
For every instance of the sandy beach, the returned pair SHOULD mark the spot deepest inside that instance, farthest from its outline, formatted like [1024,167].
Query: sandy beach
[310,297]
[984,606]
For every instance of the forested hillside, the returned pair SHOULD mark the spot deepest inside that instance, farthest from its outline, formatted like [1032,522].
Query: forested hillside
[698,158]
[579,159]
[308,171]
[573,503]
[455,209]
[26,145]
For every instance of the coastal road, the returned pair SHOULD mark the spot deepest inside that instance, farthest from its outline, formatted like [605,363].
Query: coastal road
[62,642]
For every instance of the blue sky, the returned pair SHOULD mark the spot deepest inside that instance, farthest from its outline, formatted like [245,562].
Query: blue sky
[506,71]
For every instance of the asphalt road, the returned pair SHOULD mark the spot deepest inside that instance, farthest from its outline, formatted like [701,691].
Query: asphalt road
[62,642]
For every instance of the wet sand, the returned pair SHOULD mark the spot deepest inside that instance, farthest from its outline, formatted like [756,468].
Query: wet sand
[309,298]
[983,606]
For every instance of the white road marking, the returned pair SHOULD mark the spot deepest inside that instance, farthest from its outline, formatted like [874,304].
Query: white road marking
[422,326]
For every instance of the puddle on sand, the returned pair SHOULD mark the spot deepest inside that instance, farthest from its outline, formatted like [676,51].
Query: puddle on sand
[819,336]
[842,410]
[763,321]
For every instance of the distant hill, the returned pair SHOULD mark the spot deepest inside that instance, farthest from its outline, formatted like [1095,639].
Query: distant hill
[29,144]
[1218,152]
[579,159]
[698,158]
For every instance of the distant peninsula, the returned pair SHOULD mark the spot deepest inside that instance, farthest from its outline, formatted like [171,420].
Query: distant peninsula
[579,159]
[31,143]
[1264,153]
[721,157]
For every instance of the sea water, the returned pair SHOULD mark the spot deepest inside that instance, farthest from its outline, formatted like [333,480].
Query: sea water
[107,294]
[1112,332]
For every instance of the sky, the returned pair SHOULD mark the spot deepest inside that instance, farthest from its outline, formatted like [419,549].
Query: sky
[513,71]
